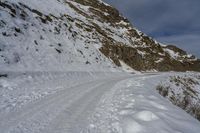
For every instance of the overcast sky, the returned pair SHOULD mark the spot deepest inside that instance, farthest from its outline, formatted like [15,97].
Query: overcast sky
[168,21]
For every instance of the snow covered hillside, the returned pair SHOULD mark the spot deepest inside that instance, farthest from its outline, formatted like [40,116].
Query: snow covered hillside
[44,35]
[183,90]
[61,35]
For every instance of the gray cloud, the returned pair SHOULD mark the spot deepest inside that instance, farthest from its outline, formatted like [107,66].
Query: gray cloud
[189,43]
[168,21]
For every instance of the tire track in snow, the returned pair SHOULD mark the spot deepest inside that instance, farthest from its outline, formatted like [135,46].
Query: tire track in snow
[75,117]
[77,101]
[13,119]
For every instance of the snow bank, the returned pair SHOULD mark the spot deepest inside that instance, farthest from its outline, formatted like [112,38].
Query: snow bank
[183,90]
[134,106]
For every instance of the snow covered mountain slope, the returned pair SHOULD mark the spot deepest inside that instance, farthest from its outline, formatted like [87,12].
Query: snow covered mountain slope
[44,35]
[64,35]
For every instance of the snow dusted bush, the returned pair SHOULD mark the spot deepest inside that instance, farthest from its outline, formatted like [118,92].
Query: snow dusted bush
[183,91]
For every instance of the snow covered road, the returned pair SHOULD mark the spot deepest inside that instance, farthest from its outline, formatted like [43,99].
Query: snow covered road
[110,104]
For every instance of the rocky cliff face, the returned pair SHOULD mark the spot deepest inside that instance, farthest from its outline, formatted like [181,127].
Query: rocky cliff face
[62,34]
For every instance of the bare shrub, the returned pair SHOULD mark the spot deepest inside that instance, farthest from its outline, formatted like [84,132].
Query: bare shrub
[163,90]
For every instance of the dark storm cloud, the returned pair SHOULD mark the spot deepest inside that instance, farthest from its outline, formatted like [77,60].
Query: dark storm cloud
[169,21]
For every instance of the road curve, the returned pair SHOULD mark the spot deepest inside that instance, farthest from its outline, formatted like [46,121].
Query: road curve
[66,111]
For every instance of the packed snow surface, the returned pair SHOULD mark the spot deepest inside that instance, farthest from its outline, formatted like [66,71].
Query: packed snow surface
[88,102]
